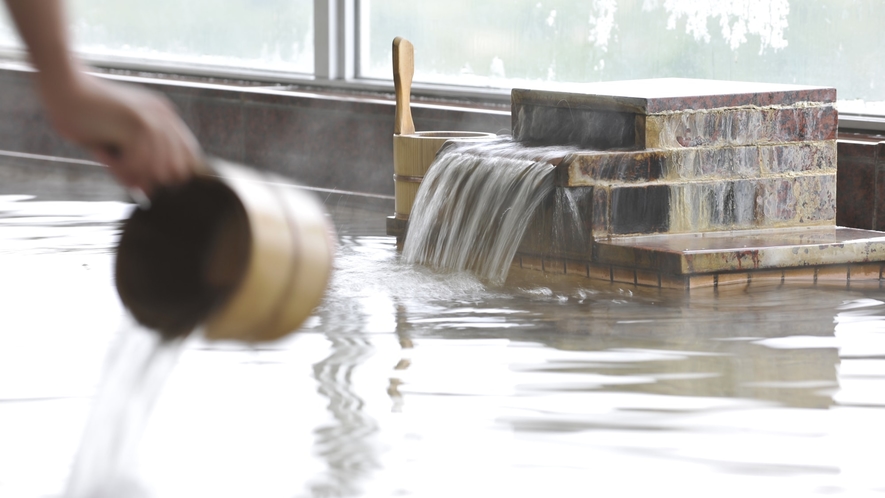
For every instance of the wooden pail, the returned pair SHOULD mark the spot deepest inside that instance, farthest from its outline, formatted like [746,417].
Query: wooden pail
[412,155]
[236,251]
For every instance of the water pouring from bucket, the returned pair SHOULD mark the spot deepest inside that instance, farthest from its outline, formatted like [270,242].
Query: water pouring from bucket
[234,251]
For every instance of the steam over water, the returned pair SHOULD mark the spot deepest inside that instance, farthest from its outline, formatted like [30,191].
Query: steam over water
[475,204]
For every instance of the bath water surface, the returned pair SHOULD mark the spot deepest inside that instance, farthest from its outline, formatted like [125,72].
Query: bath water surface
[409,381]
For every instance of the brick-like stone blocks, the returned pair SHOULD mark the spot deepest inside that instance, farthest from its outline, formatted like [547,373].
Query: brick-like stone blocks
[741,126]
[592,168]
[590,128]
[717,184]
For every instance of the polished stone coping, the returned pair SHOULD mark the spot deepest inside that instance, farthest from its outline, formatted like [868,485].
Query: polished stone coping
[651,96]
[750,250]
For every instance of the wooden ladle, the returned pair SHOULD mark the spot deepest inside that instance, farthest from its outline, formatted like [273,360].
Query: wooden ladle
[413,152]
[403,71]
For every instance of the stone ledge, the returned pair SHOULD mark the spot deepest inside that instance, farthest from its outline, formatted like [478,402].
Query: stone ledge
[859,275]
[741,126]
[673,113]
[713,205]
[692,254]
[659,95]
[609,168]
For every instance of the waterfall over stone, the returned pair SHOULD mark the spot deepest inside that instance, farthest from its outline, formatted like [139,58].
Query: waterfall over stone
[475,204]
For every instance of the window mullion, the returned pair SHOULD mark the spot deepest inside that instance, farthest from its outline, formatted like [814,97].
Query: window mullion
[334,39]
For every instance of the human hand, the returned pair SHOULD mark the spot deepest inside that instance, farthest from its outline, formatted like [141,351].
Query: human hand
[135,132]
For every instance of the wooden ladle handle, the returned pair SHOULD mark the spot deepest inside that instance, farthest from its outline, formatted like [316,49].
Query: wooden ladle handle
[403,70]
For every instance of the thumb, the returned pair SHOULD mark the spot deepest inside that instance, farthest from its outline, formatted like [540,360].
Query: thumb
[112,157]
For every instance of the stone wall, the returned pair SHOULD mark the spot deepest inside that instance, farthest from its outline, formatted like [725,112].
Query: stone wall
[333,140]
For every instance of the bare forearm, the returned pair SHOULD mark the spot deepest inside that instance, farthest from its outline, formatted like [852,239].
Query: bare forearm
[43,27]
[151,145]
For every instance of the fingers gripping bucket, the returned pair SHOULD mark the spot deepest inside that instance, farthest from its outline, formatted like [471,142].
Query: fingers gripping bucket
[413,154]
[246,257]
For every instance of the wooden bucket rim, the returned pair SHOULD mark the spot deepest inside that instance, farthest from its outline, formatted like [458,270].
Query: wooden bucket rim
[448,135]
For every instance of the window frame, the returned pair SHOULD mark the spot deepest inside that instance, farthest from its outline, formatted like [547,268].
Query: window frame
[338,37]
[338,40]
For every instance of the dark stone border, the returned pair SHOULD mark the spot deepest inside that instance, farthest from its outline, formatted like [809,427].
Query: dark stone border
[327,140]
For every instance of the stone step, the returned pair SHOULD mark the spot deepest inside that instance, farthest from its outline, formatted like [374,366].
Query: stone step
[747,250]
[591,168]
[674,113]
[833,256]
[683,207]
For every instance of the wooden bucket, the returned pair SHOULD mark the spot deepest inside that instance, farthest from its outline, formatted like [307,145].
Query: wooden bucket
[237,251]
[412,155]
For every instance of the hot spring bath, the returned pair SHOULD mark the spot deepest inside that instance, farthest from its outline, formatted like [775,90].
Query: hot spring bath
[409,382]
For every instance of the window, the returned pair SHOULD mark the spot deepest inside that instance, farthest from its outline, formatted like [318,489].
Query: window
[275,35]
[540,43]
[483,44]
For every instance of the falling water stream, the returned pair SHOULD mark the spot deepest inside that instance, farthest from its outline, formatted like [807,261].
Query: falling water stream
[136,369]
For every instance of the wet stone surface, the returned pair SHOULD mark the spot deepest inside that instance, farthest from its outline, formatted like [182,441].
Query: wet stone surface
[709,156]
[652,96]
[588,128]
[741,126]
[861,182]
[745,250]
[674,165]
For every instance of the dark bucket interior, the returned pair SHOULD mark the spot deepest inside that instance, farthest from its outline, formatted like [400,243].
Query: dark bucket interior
[180,259]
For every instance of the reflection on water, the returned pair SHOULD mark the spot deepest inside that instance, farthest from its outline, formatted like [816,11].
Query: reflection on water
[409,382]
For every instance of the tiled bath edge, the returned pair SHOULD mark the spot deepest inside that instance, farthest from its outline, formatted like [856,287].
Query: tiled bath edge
[865,274]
